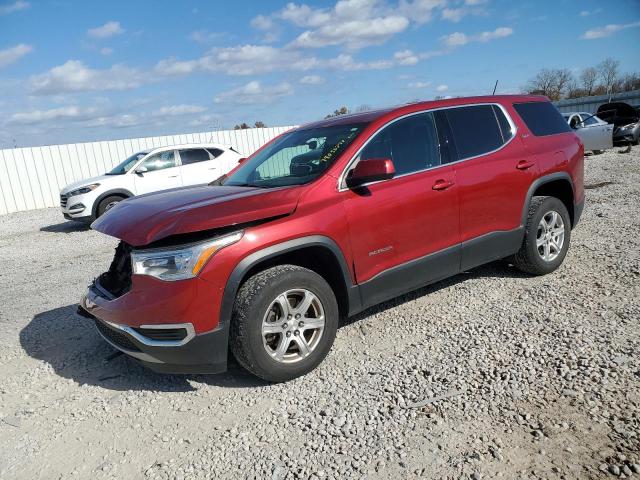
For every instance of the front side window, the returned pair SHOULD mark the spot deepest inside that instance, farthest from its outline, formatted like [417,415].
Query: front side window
[591,120]
[476,130]
[194,155]
[411,143]
[160,161]
[295,158]
[127,165]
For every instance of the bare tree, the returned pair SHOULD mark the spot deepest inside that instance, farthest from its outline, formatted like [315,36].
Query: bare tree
[608,71]
[589,80]
[341,111]
[629,81]
[550,82]
[259,125]
[363,108]
[242,126]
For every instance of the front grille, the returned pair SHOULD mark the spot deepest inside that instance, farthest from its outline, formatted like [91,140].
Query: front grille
[116,337]
[63,201]
[163,334]
[117,280]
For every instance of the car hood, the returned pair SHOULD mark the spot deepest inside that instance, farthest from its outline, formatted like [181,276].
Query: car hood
[148,218]
[86,181]
[618,113]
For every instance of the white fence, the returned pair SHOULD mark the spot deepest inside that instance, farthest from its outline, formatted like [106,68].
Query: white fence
[32,177]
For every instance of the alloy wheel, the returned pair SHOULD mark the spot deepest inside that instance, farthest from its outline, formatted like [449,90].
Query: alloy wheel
[550,236]
[293,325]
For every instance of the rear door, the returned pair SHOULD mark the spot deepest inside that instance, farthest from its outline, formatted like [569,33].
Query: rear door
[199,165]
[493,173]
[158,172]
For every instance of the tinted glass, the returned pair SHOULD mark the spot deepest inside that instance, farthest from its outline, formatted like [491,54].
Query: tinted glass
[194,155]
[215,152]
[475,130]
[160,161]
[411,143]
[542,118]
[590,120]
[125,166]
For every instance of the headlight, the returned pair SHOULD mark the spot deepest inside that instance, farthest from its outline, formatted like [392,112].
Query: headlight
[82,190]
[178,263]
[628,127]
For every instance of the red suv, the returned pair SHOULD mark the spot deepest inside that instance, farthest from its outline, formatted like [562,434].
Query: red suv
[329,219]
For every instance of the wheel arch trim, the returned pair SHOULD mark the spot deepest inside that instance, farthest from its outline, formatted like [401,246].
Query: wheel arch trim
[543,181]
[247,263]
[116,191]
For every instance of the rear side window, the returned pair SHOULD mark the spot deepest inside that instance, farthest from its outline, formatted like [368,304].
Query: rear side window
[215,152]
[476,130]
[411,143]
[194,155]
[542,118]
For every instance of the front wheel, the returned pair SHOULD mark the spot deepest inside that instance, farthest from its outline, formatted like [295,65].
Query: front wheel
[284,323]
[546,237]
[107,204]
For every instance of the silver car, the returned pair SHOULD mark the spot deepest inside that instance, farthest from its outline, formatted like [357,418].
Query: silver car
[595,133]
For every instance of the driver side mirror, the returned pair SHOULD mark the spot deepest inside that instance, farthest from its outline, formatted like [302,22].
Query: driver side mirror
[240,160]
[141,169]
[372,170]
[313,144]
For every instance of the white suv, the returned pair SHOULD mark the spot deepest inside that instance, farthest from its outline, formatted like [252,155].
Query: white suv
[148,171]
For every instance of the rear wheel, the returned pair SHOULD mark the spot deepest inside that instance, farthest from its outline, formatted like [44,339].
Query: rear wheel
[108,203]
[546,237]
[284,323]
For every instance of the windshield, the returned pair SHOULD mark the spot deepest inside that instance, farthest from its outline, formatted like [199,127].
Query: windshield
[125,166]
[295,158]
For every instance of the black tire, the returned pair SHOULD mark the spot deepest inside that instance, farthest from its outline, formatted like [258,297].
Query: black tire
[598,152]
[528,259]
[105,202]
[252,303]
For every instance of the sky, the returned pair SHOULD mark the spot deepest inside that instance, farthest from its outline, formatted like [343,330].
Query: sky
[74,71]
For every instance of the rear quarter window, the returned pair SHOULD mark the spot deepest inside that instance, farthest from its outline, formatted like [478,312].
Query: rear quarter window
[542,118]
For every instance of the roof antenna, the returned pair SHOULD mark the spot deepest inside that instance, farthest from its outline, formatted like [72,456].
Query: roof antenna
[494,88]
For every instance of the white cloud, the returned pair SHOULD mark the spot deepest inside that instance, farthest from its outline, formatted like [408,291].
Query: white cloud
[106,51]
[13,54]
[205,36]
[71,112]
[607,30]
[442,88]
[107,30]
[262,22]
[175,110]
[14,7]
[420,11]
[419,84]
[586,13]
[312,80]
[454,14]
[406,57]
[212,120]
[354,34]
[75,76]
[253,92]
[459,39]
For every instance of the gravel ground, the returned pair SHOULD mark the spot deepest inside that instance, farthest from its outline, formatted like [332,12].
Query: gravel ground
[489,374]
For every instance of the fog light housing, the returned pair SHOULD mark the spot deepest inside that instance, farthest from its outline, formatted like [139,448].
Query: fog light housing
[77,208]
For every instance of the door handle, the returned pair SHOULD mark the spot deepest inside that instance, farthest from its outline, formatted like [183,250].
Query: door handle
[212,168]
[524,165]
[442,184]
[173,176]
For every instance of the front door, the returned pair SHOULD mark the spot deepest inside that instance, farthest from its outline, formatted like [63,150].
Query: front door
[594,134]
[404,231]
[158,172]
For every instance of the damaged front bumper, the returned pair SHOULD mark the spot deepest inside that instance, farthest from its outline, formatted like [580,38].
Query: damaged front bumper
[164,348]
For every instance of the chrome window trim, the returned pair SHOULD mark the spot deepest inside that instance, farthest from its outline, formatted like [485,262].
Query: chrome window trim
[156,343]
[342,186]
